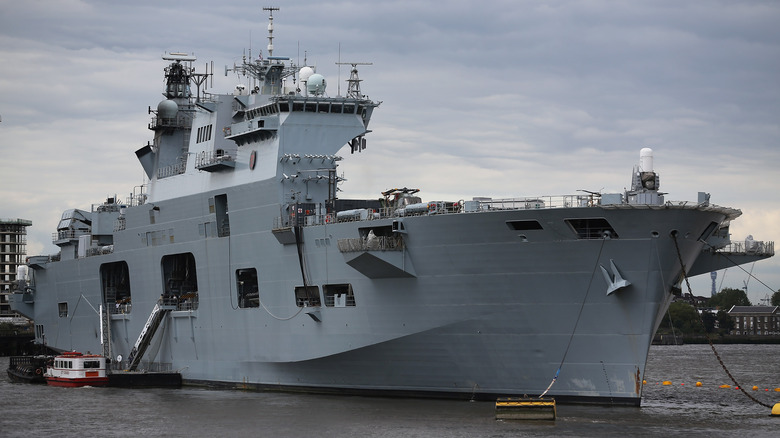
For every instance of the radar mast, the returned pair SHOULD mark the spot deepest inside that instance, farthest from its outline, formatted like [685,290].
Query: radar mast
[353,89]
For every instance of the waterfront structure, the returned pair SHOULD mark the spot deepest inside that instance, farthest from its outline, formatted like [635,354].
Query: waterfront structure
[755,320]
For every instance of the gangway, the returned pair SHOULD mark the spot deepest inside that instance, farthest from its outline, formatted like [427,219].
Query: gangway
[155,318]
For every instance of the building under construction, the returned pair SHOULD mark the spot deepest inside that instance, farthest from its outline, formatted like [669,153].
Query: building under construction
[13,248]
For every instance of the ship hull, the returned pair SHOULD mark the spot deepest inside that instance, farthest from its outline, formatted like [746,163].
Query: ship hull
[469,307]
[77,383]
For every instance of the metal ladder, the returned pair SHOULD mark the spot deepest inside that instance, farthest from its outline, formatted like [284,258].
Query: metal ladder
[105,322]
[155,318]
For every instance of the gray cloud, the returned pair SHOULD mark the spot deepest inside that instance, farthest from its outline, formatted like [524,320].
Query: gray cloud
[501,98]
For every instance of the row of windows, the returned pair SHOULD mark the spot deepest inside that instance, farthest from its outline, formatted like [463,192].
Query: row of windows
[266,110]
[585,228]
[320,107]
[204,133]
[335,295]
[180,287]
[69,364]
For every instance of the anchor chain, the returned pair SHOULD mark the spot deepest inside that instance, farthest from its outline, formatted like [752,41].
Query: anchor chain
[709,340]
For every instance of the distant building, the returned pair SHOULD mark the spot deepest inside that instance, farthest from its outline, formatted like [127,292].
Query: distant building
[755,320]
[13,248]
[694,300]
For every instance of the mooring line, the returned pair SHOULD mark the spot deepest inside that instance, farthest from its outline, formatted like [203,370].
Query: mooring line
[574,330]
[712,346]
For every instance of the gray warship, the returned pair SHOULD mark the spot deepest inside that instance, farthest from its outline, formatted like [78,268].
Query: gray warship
[239,266]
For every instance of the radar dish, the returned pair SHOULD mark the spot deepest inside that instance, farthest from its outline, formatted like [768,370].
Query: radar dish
[316,84]
[167,109]
[305,73]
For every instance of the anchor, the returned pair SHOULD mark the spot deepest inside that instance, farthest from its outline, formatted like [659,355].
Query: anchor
[614,282]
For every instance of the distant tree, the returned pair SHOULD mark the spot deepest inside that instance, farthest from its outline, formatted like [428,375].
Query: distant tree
[776,298]
[684,318]
[709,320]
[727,298]
[725,323]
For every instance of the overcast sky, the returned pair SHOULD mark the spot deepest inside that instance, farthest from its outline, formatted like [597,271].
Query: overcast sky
[490,98]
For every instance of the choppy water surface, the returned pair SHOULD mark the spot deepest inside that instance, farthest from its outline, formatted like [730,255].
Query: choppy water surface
[679,409]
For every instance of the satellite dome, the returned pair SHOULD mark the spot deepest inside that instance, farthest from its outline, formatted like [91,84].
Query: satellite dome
[316,84]
[305,73]
[167,109]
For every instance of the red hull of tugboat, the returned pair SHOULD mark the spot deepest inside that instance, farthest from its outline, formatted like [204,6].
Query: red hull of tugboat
[82,381]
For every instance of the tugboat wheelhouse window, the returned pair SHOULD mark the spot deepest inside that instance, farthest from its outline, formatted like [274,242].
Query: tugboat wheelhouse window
[247,287]
[180,281]
[115,283]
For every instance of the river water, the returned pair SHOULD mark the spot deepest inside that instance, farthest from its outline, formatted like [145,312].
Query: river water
[679,409]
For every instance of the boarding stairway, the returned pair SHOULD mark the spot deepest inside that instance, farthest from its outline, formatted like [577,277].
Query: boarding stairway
[152,324]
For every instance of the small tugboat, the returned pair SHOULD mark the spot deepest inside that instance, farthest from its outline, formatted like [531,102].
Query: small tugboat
[28,369]
[75,369]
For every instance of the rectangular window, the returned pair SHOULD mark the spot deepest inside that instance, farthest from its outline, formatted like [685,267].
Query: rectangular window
[63,309]
[115,282]
[338,295]
[180,281]
[307,297]
[247,287]
[592,228]
[524,225]
[204,134]
[223,220]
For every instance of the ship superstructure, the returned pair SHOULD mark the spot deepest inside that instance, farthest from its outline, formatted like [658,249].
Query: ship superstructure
[240,266]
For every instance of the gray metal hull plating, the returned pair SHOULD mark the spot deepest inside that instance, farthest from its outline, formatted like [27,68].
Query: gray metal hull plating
[468,308]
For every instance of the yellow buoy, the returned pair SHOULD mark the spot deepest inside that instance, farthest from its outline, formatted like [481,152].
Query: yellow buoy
[725,386]
[777,389]
[666,383]
[776,410]
[644,382]
[698,383]
[755,388]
